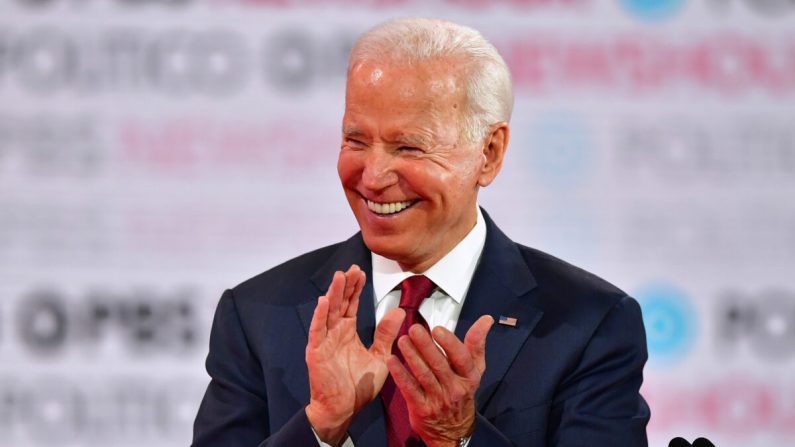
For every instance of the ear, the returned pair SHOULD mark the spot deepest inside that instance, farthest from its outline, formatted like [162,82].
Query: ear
[494,147]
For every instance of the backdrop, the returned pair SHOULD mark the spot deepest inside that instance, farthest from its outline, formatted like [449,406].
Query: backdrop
[155,152]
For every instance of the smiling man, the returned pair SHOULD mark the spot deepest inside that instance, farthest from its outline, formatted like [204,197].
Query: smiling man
[389,338]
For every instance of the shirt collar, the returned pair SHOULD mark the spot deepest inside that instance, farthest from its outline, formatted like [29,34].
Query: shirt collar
[452,273]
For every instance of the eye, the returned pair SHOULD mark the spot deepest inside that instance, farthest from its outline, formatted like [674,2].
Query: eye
[353,142]
[409,149]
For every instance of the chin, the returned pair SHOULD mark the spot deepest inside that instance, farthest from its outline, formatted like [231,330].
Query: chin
[386,246]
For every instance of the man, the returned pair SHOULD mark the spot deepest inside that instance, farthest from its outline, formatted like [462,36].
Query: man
[425,126]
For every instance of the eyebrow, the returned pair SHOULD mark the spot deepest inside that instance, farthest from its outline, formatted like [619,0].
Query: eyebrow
[402,138]
[351,131]
[413,140]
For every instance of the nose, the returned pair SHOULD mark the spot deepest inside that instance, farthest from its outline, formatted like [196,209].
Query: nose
[379,170]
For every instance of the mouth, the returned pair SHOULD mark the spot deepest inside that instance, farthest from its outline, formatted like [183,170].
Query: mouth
[390,208]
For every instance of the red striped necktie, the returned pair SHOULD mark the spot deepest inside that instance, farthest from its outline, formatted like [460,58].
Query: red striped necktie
[413,291]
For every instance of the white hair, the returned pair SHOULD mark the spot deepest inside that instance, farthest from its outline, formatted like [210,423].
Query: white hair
[489,94]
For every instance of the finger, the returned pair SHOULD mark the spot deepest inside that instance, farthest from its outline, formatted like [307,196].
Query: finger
[334,295]
[419,369]
[408,386]
[432,355]
[317,328]
[475,340]
[458,355]
[386,331]
[353,305]
[351,276]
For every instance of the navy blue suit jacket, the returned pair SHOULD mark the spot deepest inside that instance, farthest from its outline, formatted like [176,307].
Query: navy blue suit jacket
[567,374]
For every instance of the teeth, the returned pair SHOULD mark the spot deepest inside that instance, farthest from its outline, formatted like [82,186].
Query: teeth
[387,208]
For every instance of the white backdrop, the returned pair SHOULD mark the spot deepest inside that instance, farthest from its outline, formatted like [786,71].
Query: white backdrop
[153,153]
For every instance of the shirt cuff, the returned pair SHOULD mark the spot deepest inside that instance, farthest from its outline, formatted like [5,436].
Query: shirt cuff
[347,443]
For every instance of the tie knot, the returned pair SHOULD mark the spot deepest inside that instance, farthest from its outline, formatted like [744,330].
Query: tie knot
[413,290]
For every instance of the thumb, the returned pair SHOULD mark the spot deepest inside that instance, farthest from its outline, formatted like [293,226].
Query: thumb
[386,331]
[475,340]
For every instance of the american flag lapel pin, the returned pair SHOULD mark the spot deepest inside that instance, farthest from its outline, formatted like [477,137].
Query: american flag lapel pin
[507,321]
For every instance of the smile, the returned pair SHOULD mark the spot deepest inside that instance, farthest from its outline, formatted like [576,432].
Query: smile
[389,208]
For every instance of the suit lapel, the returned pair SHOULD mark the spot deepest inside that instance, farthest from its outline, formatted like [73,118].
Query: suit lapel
[368,428]
[500,287]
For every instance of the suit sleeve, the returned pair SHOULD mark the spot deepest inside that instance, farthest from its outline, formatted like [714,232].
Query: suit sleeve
[234,411]
[598,404]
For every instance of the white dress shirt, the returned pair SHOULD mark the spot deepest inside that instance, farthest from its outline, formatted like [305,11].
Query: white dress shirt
[452,275]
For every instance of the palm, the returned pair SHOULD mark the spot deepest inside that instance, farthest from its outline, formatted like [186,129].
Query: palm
[344,375]
[347,373]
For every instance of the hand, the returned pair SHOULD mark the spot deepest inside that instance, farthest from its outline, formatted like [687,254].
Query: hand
[439,390]
[343,375]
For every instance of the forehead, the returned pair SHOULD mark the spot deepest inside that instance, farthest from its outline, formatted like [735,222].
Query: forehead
[431,91]
[438,73]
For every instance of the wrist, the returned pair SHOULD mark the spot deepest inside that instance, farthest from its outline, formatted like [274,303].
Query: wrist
[454,440]
[449,441]
[331,430]
[460,442]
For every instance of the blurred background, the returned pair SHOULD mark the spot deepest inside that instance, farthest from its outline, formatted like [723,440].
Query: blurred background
[155,152]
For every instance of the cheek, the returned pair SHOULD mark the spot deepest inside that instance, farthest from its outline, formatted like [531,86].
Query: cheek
[445,186]
[459,182]
[464,171]
[347,167]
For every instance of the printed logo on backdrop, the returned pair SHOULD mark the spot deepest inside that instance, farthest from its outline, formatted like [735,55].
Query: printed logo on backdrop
[653,10]
[740,407]
[141,321]
[294,4]
[769,8]
[561,149]
[670,322]
[760,323]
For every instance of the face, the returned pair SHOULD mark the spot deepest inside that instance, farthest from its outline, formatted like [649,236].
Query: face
[409,181]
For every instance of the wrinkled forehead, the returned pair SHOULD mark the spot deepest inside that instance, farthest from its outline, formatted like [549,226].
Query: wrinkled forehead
[440,78]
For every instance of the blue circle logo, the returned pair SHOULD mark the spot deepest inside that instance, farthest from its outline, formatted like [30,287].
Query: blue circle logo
[653,9]
[669,320]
